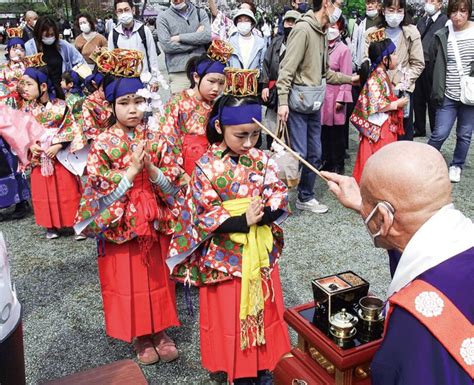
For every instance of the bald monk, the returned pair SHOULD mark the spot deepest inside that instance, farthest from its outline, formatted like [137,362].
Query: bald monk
[405,201]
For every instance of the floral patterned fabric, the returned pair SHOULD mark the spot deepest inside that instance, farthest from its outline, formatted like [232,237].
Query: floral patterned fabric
[203,257]
[10,74]
[74,102]
[58,120]
[376,95]
[107,163]
[95,119]
[185,114]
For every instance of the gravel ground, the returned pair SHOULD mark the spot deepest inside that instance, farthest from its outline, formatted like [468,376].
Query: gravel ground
[58,286]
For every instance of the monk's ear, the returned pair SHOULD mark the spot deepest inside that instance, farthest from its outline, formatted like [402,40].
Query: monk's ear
[387,220]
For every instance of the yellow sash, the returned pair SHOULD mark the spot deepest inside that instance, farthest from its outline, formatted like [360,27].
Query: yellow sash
[257,245]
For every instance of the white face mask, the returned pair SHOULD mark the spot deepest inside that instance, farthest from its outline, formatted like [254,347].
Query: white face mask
[244,27]
[180,6]
[333,17]
[372,14]
[394,19]
[86,28]
[430,9]
[126,18]
[48,40]
[333,33]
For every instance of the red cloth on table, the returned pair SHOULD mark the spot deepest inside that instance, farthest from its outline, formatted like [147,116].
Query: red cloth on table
[194,146]
[55,198]
[220,330]
[138,300]
[368,148]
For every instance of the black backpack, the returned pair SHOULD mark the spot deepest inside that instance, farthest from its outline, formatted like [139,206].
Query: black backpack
[141,32]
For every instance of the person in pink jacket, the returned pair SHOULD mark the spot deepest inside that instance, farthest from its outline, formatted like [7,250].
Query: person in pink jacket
[334,107]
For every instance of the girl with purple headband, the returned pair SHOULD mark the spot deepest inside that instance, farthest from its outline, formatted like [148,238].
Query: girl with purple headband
[228,241]
[186,114]
[12,70]
[55,191]
[378,113]
[127,205]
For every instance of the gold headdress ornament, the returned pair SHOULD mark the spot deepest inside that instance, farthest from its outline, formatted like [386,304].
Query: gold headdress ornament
[220,50]
[125,63]
[240,82]
[95,55]
[35,60]
[14,32]
[378,35]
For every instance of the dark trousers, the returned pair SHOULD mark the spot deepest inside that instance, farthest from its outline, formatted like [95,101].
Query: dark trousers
[421,101]
[333,143]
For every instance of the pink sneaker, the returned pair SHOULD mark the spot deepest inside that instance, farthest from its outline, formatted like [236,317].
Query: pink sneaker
[165,347]
[146,353]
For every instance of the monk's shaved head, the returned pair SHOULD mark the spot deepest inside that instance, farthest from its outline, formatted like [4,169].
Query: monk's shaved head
[413,177]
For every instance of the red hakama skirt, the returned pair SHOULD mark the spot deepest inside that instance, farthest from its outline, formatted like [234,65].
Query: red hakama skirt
[55,198]
[220,331]
[367,148]
[138,300]
[194,146]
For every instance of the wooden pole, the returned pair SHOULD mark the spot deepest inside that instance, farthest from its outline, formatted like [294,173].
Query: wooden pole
[287,148]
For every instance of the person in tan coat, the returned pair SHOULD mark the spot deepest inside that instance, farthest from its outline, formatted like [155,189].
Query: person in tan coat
[89,40]
[410,57]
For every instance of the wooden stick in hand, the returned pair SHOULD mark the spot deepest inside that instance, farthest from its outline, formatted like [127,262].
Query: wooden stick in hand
[287,148]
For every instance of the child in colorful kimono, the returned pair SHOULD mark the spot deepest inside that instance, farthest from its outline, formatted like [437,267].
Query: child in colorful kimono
[72,85]
[55,191]
[12,70]
[228,241]
[187,113]
[378,113]
[132,179]
[96,117]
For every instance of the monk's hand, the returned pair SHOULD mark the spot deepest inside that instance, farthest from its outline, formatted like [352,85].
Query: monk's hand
[254,213]
[345,189]
[53,150]
[339,106]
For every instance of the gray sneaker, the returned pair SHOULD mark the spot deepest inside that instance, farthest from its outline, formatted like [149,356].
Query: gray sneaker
[312,205]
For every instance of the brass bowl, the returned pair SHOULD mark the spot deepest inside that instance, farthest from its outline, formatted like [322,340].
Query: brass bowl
[371,308]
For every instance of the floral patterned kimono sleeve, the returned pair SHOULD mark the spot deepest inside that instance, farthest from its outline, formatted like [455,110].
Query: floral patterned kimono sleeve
[102,178]
[201,214]
[68,129]
[169,121]
[165,156]
[102,181]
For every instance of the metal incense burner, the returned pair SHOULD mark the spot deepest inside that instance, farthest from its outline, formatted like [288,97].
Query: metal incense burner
[370,309]
[342,325]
